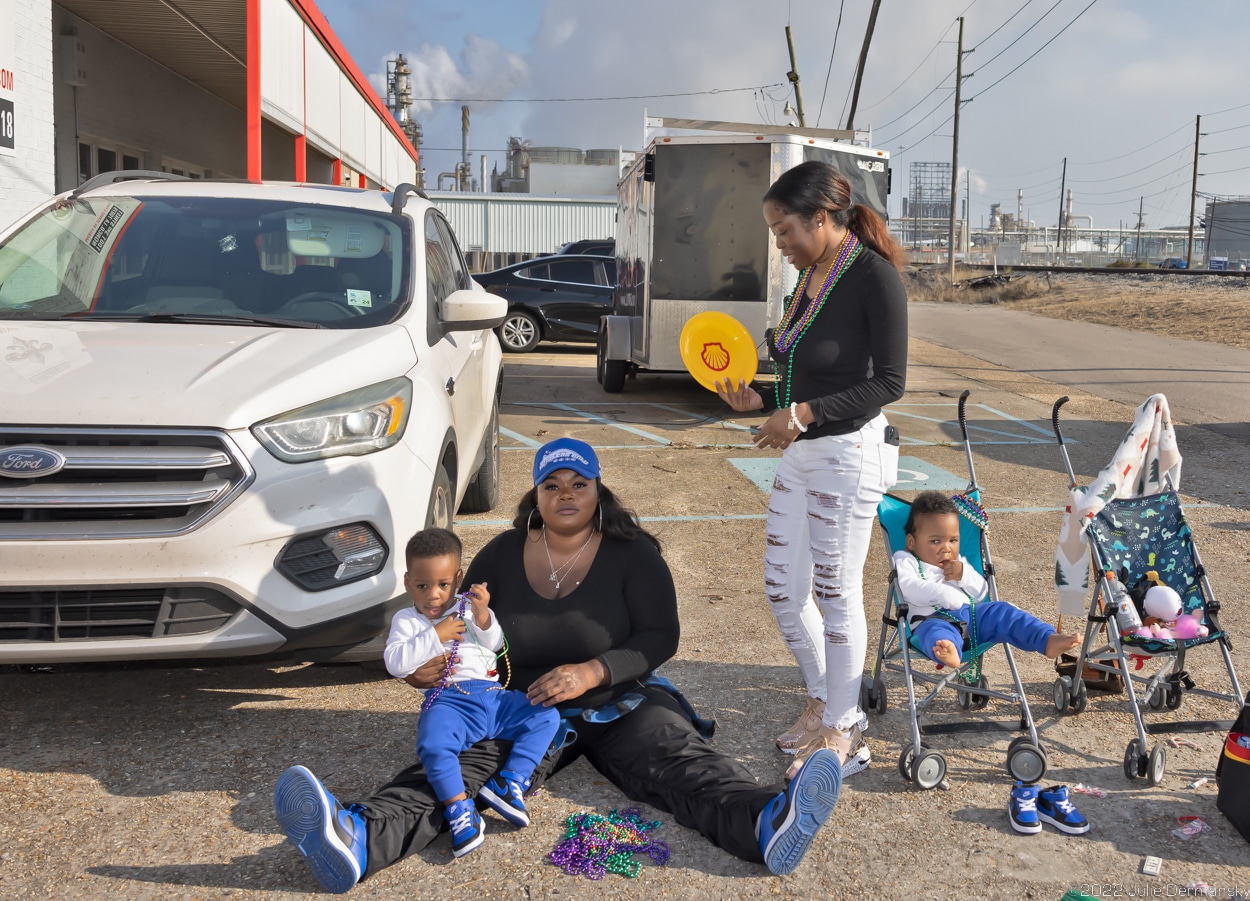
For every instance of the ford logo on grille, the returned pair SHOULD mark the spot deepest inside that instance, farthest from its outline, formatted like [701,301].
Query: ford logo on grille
[29,462]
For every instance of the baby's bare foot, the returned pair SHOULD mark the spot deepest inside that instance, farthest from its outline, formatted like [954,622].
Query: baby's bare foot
[946,653]
[1057,644]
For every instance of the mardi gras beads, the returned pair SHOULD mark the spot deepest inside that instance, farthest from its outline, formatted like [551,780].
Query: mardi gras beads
[594,846]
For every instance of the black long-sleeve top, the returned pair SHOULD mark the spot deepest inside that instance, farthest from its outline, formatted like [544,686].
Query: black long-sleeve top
[853,359]
[624,613]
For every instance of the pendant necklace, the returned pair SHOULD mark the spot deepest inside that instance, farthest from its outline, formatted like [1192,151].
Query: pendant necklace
[556,575]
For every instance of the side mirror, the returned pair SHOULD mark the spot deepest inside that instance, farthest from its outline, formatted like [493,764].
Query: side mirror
[467,310]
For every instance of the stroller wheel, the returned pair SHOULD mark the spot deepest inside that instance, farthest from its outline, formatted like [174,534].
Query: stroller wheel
[876,697]
[929,769]
[1026,761]
[1175,697]
[1063,690]
[905,760]
[1080,697]
[1133,760]
[1157,698]
[1157,765]
[980,701]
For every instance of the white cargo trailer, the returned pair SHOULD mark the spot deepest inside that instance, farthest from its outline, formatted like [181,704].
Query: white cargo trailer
[690,237]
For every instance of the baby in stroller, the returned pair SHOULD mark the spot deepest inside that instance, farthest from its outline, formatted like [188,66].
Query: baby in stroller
[941,589]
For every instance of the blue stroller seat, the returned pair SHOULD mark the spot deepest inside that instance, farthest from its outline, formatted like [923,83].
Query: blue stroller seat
[918,763]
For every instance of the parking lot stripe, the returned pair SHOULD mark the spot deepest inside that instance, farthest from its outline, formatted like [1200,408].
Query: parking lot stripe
[603,420]
[530,443]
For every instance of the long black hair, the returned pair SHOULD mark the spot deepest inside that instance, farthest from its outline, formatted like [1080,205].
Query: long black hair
[813,186]
[617,521]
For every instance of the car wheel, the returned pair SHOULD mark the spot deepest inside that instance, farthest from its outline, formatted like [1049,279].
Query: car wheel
[610,373]
[483,491]
[520,332]
[442,499]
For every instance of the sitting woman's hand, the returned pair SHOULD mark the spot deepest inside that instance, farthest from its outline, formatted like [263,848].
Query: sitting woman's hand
[564,683]
[428,674]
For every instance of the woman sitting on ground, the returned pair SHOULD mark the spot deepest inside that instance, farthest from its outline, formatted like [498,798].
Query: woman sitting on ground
[590,611]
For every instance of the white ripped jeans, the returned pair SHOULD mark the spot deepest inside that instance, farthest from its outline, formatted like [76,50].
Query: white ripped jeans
[820,517]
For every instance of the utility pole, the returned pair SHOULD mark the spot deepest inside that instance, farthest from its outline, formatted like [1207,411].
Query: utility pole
[967,242]
[793,75]
[863,58]
[1141,205]
[1193,194]
[959,77]
[1063,181]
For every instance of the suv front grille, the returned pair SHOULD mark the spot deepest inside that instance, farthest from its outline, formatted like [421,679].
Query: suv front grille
[84,614]
[120,483]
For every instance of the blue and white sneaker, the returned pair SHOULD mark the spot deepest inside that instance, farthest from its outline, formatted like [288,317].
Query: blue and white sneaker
[467,828]
[1054,807]
[502,793]
[331,837]
[1023,809]
[788,824]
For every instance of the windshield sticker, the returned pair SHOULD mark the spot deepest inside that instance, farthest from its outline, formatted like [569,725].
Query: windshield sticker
[99,238]
[354,235]
[228,243]
[318,231]
[298,223]
[358,298]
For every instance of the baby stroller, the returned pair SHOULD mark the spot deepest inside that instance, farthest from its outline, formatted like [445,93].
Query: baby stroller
[1132,537]
[919,763]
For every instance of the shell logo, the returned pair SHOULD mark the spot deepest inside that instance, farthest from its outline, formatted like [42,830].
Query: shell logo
[714,356]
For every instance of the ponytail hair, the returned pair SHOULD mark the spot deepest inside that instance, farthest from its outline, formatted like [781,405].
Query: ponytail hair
[813,186]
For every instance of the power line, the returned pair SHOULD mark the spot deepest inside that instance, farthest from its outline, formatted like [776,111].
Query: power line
[1019,36]
[777,84]
[1027,3]
[829,71]
[919,122]
[1098,181]
[1037,51]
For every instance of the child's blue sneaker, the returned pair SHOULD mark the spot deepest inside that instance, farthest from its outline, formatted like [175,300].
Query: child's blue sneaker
[467,828]
[1054,807]
[502,793]
[331,837]
[1023,809]
[788,824]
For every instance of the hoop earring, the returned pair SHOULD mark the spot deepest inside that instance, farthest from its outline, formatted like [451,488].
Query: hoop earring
[529,520]
[599,507]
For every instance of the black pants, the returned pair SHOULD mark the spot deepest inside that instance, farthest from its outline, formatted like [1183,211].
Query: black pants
[652,754]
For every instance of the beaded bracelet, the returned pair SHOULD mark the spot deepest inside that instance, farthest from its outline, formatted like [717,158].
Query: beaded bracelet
[794,418]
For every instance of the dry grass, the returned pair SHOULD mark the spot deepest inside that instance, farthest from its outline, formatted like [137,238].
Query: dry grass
[1211,308]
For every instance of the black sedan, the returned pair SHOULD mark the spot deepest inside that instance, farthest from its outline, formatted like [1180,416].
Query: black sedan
[555,298]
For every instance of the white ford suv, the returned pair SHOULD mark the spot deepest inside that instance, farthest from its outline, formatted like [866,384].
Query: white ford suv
[224,409]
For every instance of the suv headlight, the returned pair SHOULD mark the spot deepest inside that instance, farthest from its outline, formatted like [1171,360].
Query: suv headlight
[358,422]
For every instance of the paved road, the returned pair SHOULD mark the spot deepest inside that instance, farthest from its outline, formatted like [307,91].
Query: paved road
[1206,384]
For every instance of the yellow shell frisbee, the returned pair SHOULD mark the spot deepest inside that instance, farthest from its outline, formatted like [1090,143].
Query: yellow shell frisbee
[715,346]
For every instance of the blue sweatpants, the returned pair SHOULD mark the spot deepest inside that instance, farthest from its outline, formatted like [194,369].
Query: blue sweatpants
[997,621]
[457,720]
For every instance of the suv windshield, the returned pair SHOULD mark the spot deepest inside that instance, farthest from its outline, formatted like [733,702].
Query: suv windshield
[200,259]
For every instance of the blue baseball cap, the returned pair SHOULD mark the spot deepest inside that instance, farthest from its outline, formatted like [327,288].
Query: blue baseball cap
[565,453]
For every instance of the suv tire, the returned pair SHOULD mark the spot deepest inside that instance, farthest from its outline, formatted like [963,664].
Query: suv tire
[483,491]
[442,501]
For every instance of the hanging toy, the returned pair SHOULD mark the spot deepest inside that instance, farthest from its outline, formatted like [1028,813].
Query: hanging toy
[1190,626]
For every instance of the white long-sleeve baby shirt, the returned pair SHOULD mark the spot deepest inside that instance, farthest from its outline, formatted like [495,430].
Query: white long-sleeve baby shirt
[926,590]
[413,641]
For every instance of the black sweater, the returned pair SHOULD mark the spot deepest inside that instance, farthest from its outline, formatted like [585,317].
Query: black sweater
[853,359]
[624,613]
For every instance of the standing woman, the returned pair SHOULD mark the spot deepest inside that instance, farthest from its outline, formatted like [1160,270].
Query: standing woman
[841,355]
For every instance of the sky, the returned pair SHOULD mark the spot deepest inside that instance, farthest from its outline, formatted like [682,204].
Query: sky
[1113,86]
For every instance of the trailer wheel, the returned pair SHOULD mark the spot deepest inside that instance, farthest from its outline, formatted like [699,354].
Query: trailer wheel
[610,373]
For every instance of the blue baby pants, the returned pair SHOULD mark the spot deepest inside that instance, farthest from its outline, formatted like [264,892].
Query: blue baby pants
[997,621]
[457,720]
